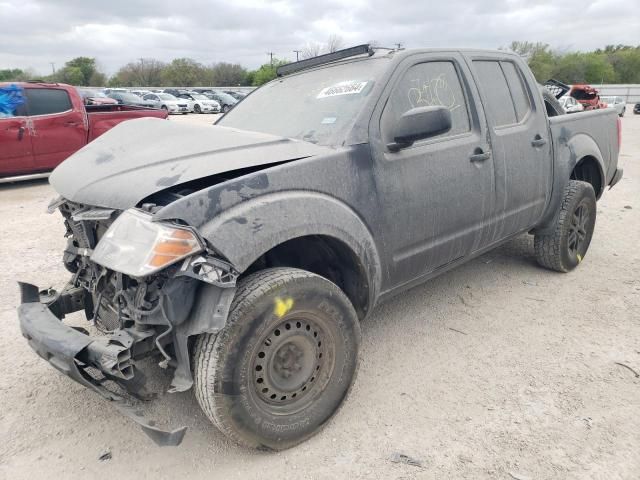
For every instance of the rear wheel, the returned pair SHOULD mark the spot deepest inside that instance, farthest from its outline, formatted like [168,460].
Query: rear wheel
[197,109]
[566,247]
[283,364]
[225,108]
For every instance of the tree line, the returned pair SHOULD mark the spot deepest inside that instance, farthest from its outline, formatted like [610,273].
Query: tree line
[612,64]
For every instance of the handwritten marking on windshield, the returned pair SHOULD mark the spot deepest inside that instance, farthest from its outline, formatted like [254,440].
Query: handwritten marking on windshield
[434,92]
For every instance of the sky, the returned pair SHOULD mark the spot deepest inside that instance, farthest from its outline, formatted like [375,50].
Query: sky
[34,33]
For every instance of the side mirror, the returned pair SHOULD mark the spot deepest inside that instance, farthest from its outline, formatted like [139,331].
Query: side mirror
[419,123]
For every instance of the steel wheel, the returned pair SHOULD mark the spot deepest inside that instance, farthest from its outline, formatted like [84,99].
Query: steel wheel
[292,364]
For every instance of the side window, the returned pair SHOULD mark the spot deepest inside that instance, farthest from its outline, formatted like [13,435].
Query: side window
[45,101]
[423,85]
[495,90]
[148,97]
[518,90]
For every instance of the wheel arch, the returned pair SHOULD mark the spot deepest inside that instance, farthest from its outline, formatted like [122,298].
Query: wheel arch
[577,159]
[305,230]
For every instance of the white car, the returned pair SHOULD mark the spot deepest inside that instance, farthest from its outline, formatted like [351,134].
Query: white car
[570,104]
[167,102]
[615,102]
[201,103]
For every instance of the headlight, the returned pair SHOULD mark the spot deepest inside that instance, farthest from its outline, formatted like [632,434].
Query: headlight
[136,246]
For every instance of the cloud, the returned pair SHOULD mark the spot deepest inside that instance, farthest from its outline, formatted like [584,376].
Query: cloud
[34,33]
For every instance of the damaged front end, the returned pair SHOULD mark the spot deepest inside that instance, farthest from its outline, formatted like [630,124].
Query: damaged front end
[146,286]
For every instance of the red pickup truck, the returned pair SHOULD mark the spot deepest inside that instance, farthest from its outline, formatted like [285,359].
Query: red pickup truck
[53,123]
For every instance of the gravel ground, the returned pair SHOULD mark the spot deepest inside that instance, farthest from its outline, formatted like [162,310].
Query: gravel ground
[498,369]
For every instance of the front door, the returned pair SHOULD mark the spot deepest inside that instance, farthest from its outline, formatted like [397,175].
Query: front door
[58,129]
[437,194]
[15,146]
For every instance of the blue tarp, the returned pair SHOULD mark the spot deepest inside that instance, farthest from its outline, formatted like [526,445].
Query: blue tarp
[11,97]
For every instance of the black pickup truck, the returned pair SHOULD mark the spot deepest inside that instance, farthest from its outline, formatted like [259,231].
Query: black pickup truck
[245,255]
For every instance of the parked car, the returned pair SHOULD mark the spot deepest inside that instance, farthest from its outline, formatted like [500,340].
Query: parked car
[636,108]
[237,95]
[95,97]
[140,93]
[167,102]
[51,125]
[247,254]
[570,104]
[588,96]
[126,98]
[226,101]
[200,103]
[616,103]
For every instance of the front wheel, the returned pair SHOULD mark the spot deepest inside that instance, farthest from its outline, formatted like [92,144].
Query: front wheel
[567,246]
[225,108]
[197,109]
[284,362]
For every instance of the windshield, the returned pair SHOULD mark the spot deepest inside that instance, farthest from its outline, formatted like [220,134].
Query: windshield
[166,96]
[321,105]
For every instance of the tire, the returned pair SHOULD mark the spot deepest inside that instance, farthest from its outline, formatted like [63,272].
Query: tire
[197,109]
[283,364]
[623,111]
[551,103]
[225,108]
[566,247]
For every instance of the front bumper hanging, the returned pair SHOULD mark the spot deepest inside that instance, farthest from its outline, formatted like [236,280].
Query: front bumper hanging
[74,353]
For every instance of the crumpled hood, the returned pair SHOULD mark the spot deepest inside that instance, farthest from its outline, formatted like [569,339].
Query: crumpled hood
[140,157]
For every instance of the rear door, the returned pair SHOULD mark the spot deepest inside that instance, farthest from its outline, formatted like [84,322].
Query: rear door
[15,145]
[520,142]
[58,127]
[438,193]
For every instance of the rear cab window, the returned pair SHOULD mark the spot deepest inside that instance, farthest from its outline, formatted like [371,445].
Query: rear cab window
[47,101]
[431,83]
[507,101]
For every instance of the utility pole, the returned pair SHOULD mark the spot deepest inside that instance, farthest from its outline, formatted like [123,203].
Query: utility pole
[53,67]
[398,45]
[297,52]
[270,58]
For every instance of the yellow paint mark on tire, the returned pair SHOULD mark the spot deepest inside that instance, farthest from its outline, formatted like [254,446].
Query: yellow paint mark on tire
[579,258]
[282,307]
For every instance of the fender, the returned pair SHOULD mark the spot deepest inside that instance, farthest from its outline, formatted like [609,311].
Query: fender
[567,154]
[251,228]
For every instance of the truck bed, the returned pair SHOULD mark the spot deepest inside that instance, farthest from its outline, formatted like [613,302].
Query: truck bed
[573,133]
[104,117]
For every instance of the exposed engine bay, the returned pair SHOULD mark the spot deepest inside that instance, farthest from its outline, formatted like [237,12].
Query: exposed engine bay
[138,316]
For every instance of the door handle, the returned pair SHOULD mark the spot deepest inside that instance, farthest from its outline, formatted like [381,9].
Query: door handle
[479,155]
[71,124]
[538,141]
[20,133]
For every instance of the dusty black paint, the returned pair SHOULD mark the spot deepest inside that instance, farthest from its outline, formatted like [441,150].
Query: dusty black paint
[377,221]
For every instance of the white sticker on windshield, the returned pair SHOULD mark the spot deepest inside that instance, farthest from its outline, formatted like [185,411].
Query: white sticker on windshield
[349,87]
[328,120]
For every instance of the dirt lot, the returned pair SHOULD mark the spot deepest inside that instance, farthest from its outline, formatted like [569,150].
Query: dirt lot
[498,369]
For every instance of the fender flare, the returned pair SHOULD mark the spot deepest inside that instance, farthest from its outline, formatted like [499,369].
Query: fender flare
[251,228]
